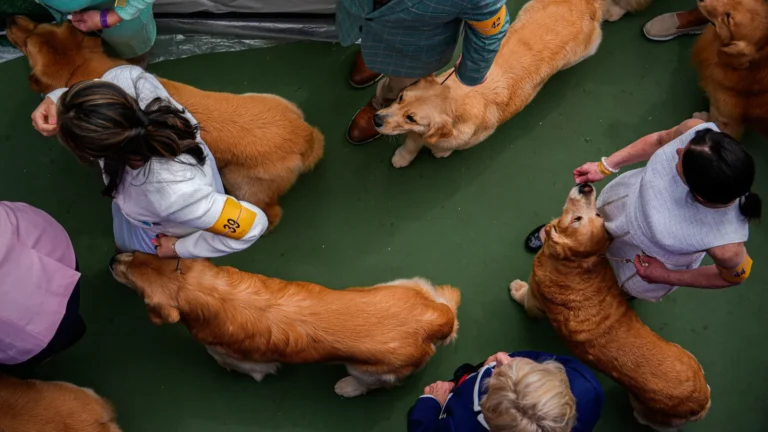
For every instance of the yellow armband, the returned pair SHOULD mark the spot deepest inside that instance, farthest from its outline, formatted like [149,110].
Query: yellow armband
[234,221]
[739,274]
[492,25]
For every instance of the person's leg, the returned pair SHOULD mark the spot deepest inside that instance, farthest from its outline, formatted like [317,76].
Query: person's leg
[361,76]
[71,329]
[362,130]
[671,25]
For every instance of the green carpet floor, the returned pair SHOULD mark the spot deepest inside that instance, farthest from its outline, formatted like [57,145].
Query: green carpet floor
[356,220]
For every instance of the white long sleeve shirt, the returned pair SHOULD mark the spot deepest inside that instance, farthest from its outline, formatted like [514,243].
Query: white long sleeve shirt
[179,198]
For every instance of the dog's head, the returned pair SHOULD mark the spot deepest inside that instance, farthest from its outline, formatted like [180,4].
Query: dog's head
[160,282]
[742,26]
[54,51]
[423,108]
[579,232]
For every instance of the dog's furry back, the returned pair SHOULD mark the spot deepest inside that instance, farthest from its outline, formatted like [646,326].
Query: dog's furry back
[605,332]
[265,319]
[40,406]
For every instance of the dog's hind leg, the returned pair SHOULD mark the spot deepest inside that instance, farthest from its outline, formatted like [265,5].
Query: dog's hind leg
[522,293]
[362,379]
[255,369]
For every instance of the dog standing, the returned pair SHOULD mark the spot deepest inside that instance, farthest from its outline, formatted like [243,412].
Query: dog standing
[547,36]
[261,142]
[573,285]
[52,406]
[731,57]
[252,323]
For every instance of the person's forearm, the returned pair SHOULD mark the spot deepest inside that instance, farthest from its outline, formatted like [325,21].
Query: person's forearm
[707,277]
[113,18]
[639,151]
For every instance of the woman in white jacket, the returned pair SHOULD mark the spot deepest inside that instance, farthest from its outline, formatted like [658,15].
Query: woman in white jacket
[167,194]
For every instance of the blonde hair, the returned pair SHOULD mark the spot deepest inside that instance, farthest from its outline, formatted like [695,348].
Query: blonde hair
[525,396]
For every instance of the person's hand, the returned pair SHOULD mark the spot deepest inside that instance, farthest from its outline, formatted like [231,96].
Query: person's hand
[165,246]
[44,118]
[587,173]
[439,390]
[501,358]
[87,21]
[650,269]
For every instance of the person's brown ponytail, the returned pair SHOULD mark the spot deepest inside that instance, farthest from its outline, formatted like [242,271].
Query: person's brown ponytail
[99,120]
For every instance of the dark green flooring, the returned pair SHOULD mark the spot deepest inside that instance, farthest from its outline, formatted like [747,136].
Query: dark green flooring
[356,221]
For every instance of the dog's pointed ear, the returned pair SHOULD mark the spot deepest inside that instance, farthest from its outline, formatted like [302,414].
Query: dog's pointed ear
[437,133]
[737,54]
[161,314]
[431,78]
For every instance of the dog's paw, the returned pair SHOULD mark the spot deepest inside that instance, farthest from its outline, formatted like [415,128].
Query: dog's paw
[613,13]
[401,158]
[441,154]
[517,290]
[349,387]
[701,115]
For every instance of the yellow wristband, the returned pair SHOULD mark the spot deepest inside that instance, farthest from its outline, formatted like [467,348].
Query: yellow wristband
[603,170]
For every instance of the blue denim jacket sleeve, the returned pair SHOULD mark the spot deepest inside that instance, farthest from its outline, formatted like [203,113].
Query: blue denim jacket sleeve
[486,24]
[133,8]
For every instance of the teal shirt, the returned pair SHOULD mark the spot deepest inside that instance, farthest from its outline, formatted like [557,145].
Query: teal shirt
[414,38]
[133,37]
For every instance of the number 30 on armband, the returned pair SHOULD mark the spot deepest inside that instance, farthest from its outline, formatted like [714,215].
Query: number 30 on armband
[234,221]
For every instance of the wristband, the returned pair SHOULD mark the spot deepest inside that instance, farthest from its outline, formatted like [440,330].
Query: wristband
[603,170]
[604,160]
[103,18]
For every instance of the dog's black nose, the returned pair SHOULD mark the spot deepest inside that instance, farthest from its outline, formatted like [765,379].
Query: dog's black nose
[112,261]
[586,189]
[377,121]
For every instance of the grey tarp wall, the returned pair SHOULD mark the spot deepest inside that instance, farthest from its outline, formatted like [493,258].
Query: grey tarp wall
[191,27]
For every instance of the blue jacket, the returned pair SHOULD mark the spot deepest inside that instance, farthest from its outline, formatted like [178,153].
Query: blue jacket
[415,38]
[462,411]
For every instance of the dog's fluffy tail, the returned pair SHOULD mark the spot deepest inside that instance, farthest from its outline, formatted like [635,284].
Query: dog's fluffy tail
[314,150]
[452,298]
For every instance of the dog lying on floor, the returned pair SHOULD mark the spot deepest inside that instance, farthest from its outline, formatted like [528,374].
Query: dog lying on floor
[252,323]
[573,285]
[547,36]
[731,58]
[52,406]
[261,142]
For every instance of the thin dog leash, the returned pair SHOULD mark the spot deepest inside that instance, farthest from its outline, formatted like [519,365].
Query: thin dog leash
[627,260]
[449,75]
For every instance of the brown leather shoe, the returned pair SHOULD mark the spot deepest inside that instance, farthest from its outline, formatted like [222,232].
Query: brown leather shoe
[361,130]
[361,76]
